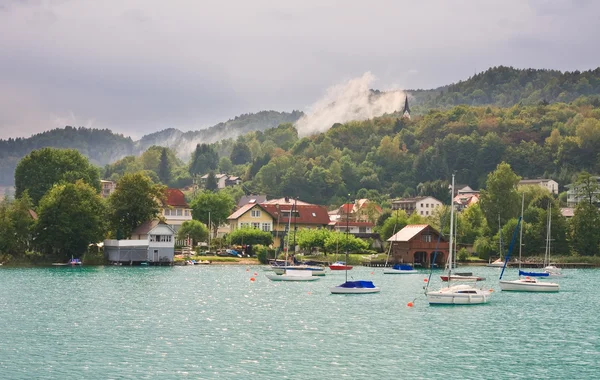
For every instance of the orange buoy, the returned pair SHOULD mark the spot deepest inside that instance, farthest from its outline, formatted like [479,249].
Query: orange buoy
[491,290]
[425,280]
[410,304]
[252,279]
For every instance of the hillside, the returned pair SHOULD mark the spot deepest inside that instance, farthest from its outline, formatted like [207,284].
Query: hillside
[506,86]
[103,146]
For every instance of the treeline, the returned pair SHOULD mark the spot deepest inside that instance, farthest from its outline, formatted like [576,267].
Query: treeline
[103,147]
[506,86]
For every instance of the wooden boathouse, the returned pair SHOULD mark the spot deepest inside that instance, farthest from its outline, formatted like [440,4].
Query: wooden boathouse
[418,244]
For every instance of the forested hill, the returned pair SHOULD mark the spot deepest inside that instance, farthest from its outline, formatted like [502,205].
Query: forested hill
[506,86]
[103,146]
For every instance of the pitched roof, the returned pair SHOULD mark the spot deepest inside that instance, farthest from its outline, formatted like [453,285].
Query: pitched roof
[409,232]
[176,198]
[567,212]
[306,213]
[287,201]
[252,198]
[145,227]
[347,208]
[242,210]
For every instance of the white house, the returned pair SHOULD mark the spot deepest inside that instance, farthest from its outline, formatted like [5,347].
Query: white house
[108,187]
[353,227]
[423,206]
[223,180]
[549,184]
[152,242]
[175,209]
[573,196]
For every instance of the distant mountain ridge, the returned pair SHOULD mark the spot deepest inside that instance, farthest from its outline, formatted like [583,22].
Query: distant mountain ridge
[102,146]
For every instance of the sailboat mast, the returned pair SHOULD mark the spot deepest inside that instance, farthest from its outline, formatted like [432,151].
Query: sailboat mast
[521,230]
[287,248]
[347,231]
[450,253]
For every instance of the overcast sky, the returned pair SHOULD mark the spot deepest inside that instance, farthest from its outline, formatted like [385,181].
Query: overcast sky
[138,66]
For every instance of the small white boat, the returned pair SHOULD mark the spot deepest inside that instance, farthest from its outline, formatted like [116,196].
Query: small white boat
[528,284]
[496,263]
[355,287]
[293,275]
[400,269]
[458,295]
[553,271]
[315,271]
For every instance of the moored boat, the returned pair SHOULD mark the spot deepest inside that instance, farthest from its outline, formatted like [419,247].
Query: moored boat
[340,265]
[400,269]
[293,275]
[355,287]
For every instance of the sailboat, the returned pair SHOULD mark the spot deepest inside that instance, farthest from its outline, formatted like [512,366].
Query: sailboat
[552,270]
[498,263]
[527,283]
[339,265]
[353,287]
[287,274]
[460,294]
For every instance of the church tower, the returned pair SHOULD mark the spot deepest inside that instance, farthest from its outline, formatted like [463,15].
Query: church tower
[406,112]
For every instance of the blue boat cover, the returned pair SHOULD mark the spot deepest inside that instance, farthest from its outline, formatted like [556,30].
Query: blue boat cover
[358,284]
[534,274]
[402,267]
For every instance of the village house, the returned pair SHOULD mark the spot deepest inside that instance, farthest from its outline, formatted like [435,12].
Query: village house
[277,215]
[548,184]
[223,180]
[175,209]
[418,244]
[152,242]
[108,187]
[423,206]
[462,201]
[252,198]
[574,195]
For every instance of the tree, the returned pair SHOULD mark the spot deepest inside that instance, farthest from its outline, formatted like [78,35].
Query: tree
[500,196]
[437,189]
[22,221]
[308,239]
[211,182]
[194,230]
[225,165]
[587,188]
[71,216]
[240,154]
[41,169]
[135,201]
[218,205]
[393,224]
[204,159]
[164,168]
[585,235]
[342,242]
[251,236]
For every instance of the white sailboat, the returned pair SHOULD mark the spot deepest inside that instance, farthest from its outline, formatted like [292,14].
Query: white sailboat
[460,294]
[291,275]
[498,263]
[552,270]
[526,283]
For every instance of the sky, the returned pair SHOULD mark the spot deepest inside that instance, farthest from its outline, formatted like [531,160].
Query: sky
[139,66]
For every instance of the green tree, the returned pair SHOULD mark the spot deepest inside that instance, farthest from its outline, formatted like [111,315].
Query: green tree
[211,182]
[251,236]
[164,168]
[41,169]
[587,188]
[225,165]
[308,239]
[135,201]
[193,229]
[397,221]
[204,159]
[240,154]
[218,205]
[22,221]
[71,216]
[500,196]
[585,235]
[342,242]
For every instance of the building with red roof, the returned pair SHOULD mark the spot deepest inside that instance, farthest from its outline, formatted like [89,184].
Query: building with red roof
[175,209]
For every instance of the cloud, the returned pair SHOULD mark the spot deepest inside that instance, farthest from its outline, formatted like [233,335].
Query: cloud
[352,100]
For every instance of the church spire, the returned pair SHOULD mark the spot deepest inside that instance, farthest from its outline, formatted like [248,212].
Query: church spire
[406,112]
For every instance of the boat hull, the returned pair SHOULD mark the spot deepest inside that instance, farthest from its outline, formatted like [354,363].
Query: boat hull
[399,271]
[528,286]
[315,271]
[458,295]
[288,277]
[342,290]
[462,278]
[340,267]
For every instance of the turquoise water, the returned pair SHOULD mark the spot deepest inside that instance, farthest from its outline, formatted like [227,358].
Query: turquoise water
[212,322]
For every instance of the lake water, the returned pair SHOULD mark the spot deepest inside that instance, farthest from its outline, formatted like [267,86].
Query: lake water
[212,322]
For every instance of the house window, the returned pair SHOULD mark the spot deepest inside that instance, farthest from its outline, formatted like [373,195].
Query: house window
[266,227]
[179,212]
[152,238]
[255,225]
[362,230]
[186,212]
[244,225]
[255,213]
[421,204]
[426,212]
[427,205]
[167,212]
[427,238]
[421,212]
